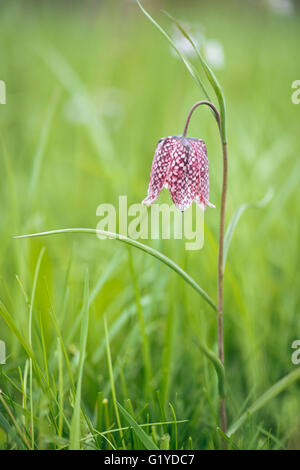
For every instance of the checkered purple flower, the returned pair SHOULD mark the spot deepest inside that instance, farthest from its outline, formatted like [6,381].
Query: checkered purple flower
[181,165]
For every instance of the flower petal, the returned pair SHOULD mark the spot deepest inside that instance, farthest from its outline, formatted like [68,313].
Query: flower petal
[202,195]
[160,168]
[184,178]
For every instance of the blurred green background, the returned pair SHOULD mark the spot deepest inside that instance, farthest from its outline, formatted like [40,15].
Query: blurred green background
[91,87]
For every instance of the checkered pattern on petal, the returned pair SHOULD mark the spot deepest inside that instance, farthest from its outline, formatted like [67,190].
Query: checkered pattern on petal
[180,164]
[202,194]
[188,179]
[160,168]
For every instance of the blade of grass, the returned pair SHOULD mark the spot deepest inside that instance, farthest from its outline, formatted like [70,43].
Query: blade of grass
[39,374]
[219,368]
[210,76]
[167,362]
[58,332]
[151,251]
[13,327]
[104,276]
[144,337]
[99,415]
[38,157]
[36,274]
[75,423]
[175,425]
[19,430]
[71,81]
[236,217]
[111,377]
[186,62]
[271,393]
[145,439]
[148,425]
[44,349]
[60,388]
[24,388]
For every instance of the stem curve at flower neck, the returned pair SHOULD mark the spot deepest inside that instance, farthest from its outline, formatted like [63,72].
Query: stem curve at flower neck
[200,103]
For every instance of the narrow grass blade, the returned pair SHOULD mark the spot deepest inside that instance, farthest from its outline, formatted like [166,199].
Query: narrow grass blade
[210,76]
[277,388]
[44,349]
[186,62]
[112,382]
[24,438]
[38,157]
[231,444]
[236,217]
[60,388]
[175,425]
[75,423]
[151,251]
[71,81]
[99,415]
[141,320]
[13,327]
[219,368]
[145,439]
[36,274]
[169,343]
[290,184]
[58,332]
[104,276]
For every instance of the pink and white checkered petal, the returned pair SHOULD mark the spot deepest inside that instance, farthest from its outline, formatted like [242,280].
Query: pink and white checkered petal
[160,168]
[184,175]
[202,193]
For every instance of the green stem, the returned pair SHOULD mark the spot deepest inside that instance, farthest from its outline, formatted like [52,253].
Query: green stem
[221,127]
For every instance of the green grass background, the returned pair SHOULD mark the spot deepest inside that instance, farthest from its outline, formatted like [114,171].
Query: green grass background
[54,174]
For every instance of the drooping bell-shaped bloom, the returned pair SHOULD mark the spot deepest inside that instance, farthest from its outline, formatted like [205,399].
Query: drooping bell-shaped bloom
[181,165]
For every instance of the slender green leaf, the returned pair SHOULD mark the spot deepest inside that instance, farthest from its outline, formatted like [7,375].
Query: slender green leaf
[151,251]
[75,423]
[36,274]
[112,382]
[141,320]
[219,368]
[186,62]
[145,439]
[38,157]
[236,217]
[13,327]
[210,76]
[271,393]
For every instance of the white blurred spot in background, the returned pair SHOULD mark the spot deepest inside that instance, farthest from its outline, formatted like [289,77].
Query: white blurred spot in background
[108,104]
[281,7]
[211,49]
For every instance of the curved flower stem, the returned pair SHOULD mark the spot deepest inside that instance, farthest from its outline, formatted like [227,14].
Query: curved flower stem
[199,103]
[221,244]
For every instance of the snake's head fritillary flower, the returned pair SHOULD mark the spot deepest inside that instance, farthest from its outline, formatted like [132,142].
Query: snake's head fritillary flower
[181,165]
